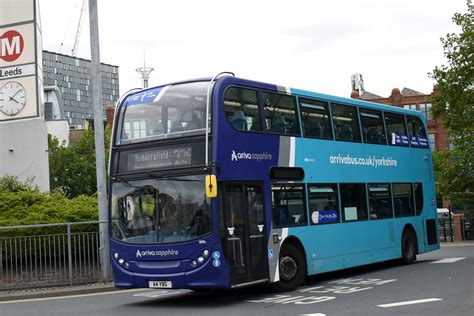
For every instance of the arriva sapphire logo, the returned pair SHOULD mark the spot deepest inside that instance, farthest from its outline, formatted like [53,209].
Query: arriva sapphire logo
[250,156]
[160,253]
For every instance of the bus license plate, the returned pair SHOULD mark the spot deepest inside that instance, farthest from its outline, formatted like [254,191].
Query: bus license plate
[160,284]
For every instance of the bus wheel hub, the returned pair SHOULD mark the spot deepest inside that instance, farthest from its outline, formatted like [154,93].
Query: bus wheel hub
[288,268]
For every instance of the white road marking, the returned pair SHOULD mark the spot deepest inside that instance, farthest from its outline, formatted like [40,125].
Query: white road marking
[449,260]
[426,300]
[68,297]
[315,314]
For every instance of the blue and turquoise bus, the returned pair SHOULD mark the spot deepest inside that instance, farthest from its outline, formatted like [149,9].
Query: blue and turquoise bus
[224,182]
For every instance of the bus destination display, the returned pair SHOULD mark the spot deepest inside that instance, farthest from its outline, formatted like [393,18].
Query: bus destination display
[160,158]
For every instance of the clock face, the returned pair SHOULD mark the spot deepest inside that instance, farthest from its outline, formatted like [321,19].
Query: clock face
[12,98]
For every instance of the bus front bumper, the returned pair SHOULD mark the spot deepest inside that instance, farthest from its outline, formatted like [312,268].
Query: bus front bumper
[207,275]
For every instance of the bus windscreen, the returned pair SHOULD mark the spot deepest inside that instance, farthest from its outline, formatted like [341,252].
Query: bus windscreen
[157,211]
[164,112]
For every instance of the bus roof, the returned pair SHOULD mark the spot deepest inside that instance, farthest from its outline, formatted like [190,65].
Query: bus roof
[305,93]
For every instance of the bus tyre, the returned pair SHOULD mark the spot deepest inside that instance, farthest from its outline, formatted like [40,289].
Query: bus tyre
[292,269]
[408,246]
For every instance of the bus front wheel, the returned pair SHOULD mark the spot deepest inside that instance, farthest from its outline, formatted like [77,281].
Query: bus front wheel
[291,267]
[408,246]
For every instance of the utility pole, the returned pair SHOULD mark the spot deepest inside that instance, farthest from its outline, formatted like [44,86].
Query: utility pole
[96,84]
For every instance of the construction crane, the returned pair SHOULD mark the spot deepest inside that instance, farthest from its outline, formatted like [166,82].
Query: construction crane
[79,28]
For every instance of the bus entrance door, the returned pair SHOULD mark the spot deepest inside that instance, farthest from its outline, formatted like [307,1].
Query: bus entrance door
[243,232]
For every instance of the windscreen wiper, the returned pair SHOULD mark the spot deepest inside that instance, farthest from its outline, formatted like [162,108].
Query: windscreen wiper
[155,175]
[122,180]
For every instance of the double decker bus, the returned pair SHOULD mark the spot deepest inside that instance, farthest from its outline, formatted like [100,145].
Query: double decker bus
[226,182]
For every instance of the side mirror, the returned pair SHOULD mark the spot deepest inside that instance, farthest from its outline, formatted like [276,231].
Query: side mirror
[211,186]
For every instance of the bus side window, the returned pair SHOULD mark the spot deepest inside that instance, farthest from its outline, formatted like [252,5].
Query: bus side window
[346,123]
[395,127]
[418,198]
[417,132]
[323,204]
[380,201]
[288,205]
[241,109]
[372,126]
[280,113]
[315,119]
[353,202]
[403,199]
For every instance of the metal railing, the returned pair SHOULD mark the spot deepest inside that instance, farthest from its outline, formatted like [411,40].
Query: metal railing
[49,255]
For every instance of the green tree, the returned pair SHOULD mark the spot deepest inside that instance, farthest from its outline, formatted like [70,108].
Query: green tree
[454,104]
[73,169]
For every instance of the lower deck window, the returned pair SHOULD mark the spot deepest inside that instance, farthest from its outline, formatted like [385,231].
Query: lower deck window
[380,201]
[403,199]
[288,205]
[323,204]
[418,198]
[353,202]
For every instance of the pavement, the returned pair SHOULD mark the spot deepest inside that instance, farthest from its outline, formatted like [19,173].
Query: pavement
[109,286]
[56,291]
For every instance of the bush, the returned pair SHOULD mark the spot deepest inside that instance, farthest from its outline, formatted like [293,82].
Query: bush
[20,204]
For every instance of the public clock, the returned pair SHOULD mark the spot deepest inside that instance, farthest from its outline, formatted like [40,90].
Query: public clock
[12,98]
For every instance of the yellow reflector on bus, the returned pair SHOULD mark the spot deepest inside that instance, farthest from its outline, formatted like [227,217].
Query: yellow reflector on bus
[211,186]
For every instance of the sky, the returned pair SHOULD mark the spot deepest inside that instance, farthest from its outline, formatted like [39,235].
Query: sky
[312,45]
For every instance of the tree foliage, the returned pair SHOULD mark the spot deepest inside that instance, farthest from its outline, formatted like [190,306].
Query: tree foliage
[454,104]
[73,169]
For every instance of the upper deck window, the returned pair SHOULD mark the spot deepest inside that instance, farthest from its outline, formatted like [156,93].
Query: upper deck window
[315,119]
[346,122]
[396,129]
[280,113]
[241,109]
[372,126]
[164,112]
[417,132]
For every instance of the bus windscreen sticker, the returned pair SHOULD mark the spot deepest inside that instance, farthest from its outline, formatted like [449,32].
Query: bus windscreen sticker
[324,217]
[399,139]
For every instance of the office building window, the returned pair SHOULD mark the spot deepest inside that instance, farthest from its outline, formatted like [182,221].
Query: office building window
[426,109]
[432,141]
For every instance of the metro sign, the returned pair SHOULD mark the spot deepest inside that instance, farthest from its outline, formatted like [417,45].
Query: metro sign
[11,45]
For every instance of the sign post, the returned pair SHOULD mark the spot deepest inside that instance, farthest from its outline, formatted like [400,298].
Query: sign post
[96,83]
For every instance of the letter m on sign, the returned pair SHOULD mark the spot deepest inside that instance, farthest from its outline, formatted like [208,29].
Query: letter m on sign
[11,45]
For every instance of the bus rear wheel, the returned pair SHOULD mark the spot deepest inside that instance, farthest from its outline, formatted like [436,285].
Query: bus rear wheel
[408,246]
[292,269]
